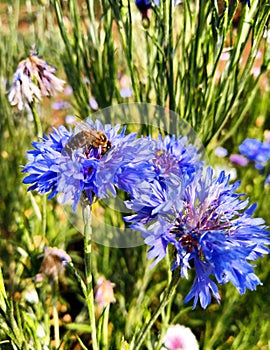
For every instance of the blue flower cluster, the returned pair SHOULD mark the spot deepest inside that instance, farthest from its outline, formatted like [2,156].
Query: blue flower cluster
[177,204]
[258,152]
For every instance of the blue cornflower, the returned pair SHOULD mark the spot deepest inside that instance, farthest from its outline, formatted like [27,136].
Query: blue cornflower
[176,164]
[88,170]
[259,153]
[256,151]
[211,231]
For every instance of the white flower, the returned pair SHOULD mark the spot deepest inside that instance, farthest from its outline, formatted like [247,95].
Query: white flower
[31,296]
[40,332]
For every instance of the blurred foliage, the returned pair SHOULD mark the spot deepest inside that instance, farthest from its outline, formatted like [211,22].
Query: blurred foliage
[178,62]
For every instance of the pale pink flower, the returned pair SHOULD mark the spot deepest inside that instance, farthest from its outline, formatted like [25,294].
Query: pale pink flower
[104,293]
[180,338]
[225,56]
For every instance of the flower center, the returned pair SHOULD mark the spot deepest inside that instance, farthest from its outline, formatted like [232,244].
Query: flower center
[166,163]
[192,222]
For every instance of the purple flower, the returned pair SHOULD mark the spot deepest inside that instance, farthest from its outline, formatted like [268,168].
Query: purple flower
[33,79]
[54,166]
[211,231]
[126,92]
[238,159]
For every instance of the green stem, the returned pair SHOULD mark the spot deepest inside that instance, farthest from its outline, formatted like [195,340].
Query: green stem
[136,345]
[44,216]
[170,71]
[3,295]
[55,316]
[78,277]
[87,218]
[105,323]
[37,121]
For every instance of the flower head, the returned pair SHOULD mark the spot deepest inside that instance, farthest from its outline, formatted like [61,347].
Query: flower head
[211,231]
[221,152]
[257,152]
[179,337]
[144,5]
[176,165]
[33,79]
[175,158]
[104,293]
[93,160]
[238,159]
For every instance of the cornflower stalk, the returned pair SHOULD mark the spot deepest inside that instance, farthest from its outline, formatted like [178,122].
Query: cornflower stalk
[36,118]
[89,292]
[55,315]
[87,288]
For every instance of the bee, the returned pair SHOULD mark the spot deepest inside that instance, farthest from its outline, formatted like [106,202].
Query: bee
[89,138]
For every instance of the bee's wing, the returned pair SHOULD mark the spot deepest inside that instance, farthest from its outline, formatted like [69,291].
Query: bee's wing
[88,123]
[83,126]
